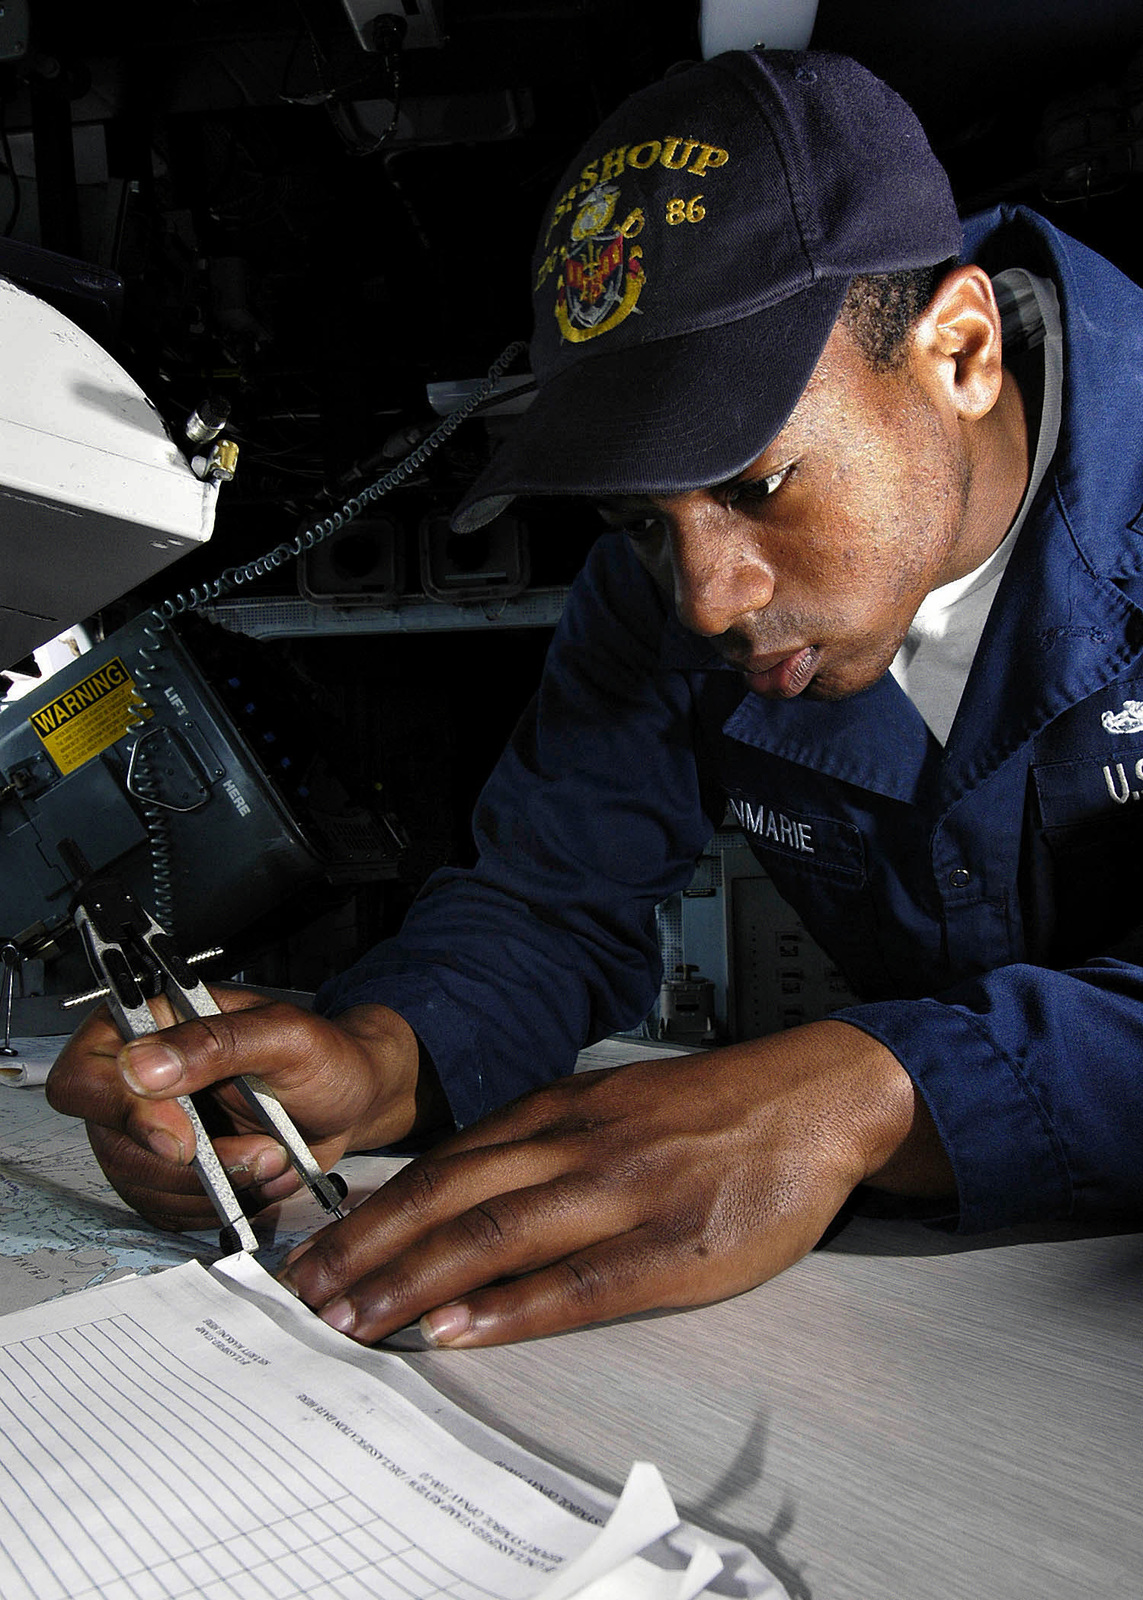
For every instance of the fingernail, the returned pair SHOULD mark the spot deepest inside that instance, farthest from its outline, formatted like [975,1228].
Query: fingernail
[147,1066]
[446,1323]
[266,1165]
[339,1314]
[298,1252]
[270,1163]
[165,1144]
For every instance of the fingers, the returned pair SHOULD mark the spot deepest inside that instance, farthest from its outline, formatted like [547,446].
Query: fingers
[482,1256]
[128,1095]
[639,1271]
[85,1082]
[131,1088]
[87,1078]
[433,1250]
[332,1080]
[170,1195]
[604,1280]
[267,1039]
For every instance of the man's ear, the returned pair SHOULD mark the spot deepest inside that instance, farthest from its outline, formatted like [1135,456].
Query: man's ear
[956,346]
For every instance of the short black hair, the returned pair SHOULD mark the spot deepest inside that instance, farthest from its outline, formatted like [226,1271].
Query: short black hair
[881,309]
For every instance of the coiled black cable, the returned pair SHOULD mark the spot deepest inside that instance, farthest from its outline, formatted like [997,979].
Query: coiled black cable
[200,595]
[142,779]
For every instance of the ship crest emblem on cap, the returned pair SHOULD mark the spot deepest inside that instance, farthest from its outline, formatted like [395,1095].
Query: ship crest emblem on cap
[602,273]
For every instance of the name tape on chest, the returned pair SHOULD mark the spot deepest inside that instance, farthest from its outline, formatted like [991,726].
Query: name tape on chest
[825,846]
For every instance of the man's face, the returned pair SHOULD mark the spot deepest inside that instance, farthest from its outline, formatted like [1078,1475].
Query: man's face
[806,570]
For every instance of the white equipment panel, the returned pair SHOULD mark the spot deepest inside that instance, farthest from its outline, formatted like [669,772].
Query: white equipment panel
[94,495]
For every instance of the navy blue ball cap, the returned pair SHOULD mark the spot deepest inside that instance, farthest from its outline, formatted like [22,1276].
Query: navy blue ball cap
[693,262]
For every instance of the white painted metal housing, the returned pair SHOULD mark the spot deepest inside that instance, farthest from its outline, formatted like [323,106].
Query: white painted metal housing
[94,494]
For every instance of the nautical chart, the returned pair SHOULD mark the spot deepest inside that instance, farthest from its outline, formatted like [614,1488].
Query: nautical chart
[62,1226]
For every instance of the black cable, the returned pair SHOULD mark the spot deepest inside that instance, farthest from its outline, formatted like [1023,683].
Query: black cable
[200,595]
[387,33]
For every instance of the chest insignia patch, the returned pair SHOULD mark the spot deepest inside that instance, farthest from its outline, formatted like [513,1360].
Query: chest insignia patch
[1129,720]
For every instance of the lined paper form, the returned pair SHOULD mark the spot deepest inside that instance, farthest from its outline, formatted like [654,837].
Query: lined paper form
[164,1437]
[90,1398]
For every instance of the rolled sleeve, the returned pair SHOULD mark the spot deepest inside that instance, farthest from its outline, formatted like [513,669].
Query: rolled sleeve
[1033,1080]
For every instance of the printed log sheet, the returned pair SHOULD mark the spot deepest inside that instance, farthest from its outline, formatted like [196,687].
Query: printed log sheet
[196,1433]
[175,1449]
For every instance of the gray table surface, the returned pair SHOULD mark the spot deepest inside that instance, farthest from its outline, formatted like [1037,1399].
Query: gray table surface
[899,1417]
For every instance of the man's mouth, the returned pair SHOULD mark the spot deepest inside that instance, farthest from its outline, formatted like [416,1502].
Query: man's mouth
[785,678]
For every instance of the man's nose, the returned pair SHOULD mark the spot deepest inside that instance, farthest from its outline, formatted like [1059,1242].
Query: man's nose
[720,573]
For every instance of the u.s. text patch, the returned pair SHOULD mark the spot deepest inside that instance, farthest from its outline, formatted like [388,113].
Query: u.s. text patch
[1071,792]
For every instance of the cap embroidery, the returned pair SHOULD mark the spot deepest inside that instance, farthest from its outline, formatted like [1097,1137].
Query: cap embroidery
[596,211]
[602,273]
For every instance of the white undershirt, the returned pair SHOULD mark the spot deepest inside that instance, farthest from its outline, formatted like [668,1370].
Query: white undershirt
[933,664]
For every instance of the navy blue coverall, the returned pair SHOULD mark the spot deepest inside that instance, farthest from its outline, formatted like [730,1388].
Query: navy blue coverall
[981,899]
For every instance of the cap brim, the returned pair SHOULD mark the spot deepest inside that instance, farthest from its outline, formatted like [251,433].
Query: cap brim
[668,416]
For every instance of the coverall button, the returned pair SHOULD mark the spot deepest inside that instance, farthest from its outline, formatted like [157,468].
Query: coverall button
[959,876]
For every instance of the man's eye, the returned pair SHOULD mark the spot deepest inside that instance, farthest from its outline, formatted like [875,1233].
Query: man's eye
[642,528]
[636,526]
[753,491]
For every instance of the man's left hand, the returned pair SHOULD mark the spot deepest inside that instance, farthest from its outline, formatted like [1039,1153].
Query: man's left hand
[665,1183]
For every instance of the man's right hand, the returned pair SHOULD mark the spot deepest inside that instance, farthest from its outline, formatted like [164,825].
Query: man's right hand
[349,1084]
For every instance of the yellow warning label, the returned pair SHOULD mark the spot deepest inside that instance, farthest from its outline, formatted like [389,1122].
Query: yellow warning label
[89,716]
